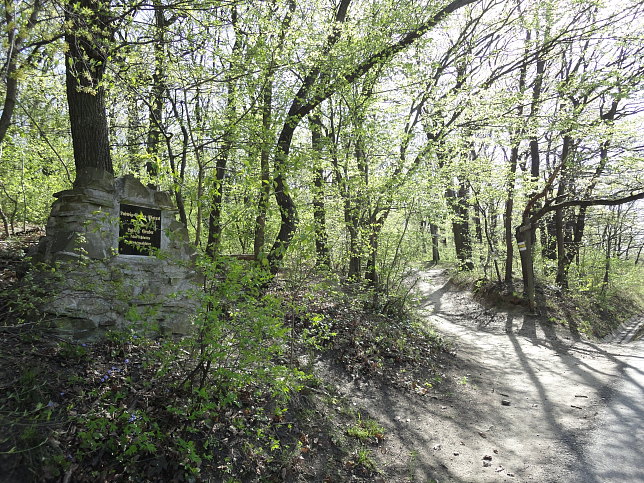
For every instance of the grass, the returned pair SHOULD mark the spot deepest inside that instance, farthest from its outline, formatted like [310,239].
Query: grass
[367,430]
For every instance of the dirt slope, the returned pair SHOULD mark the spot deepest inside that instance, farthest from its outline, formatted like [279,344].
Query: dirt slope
[525,401]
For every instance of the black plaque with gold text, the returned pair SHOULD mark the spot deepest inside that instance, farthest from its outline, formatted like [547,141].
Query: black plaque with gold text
[139,230]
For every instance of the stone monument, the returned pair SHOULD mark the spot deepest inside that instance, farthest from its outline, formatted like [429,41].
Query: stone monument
[120,258]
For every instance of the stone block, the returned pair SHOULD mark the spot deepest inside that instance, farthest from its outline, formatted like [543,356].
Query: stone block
[102,288]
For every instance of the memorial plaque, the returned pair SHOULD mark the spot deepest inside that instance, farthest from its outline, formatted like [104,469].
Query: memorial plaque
[139,230]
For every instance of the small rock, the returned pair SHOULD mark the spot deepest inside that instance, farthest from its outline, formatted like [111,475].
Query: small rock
[487,457]
[511,475]
[500,469]
[505,402]
[486,464]
[437,447]
[456,453]
[495,451]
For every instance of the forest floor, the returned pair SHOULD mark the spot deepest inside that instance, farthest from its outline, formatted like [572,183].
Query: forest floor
[525,400]
[509,397]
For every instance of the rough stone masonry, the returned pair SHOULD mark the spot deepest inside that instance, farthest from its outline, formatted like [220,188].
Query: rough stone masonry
[116,256]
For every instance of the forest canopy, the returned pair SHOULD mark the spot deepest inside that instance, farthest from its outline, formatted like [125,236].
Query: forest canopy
[361,136]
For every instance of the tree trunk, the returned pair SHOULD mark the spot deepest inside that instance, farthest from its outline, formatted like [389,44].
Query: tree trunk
[85,63]
[15,38]
[355,261]
[560,229]
[478,226]
[319,213]
[265,171]
[371,272]
[5,222]
[214,219]
[609,241]
[433,229]
[524,235]
[157,91]
[461,226]
[288,210]
[549,238]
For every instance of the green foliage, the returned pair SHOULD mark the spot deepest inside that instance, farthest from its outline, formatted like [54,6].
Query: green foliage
[233,355]
[366,430]
[23,301]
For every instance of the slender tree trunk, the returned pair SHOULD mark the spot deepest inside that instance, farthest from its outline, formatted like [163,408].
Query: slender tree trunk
[478,226]
[433,229]
[562,264]
[371,272]
[265,171]
[179,172]
[5,222]
[507,219]
[609,241]
[14,43]
[214,219]
[319,213]
[355,260]
[549,238]
[157,91]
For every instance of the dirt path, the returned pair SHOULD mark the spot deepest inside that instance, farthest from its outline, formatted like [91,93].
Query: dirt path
[529,402]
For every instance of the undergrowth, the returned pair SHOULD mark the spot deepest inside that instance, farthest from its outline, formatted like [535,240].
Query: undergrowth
[234,401]
[594,310]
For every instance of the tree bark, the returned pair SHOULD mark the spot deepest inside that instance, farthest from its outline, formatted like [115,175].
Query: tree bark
[319,212]
[15,39]
[433,229]
[265,170]
[85,62]
[315,89]
[214,219]
[461,226]
[560,228]
[152,166]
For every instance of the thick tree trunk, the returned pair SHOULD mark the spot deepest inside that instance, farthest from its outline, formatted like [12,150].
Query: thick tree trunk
[85,62]
[461,226]
[524,236]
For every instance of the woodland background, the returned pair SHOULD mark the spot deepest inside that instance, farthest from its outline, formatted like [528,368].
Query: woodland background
[333,146]
[386,132]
